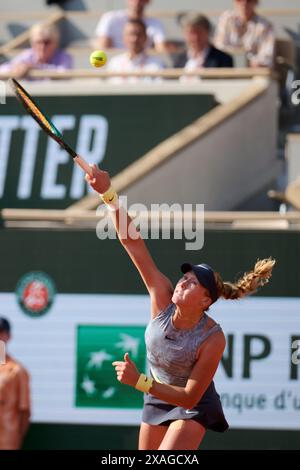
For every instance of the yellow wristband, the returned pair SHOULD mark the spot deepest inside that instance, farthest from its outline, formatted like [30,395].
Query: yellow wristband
[110,198]
[144,383]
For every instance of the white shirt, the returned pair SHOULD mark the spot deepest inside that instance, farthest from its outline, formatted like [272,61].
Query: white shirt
[112,24]
[196,61]
[142,62]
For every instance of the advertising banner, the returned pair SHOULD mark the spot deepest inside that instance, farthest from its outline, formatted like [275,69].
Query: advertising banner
[69,348]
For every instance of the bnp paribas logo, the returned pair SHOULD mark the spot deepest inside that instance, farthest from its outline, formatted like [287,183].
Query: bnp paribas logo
[35,293]
[97,347]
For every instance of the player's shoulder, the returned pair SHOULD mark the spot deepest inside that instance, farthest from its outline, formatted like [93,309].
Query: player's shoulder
[218,332]
[210,322]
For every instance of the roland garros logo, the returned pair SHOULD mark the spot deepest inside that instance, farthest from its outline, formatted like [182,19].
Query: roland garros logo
[35,293]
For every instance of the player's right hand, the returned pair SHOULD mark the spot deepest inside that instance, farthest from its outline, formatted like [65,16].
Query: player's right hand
[100,181]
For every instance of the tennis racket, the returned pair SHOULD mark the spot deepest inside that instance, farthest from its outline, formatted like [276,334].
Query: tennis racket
[45,123]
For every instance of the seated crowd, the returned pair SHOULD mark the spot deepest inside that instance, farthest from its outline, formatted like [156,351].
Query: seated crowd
[130,30]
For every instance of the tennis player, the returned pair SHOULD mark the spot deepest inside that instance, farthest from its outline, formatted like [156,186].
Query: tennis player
[184,345]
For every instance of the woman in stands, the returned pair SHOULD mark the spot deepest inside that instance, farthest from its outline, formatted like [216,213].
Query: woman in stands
[184,345]
[44,54]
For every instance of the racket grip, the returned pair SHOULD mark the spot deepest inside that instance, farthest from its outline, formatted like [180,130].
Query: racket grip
[83,164]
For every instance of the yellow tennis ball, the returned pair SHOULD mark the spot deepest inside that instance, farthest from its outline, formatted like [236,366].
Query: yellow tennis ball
[98,58]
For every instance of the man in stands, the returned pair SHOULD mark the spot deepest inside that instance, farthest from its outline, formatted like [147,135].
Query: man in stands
[110,28]
[135,58]
[200,52]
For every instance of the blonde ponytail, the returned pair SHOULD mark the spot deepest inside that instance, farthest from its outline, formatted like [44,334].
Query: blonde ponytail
[249,283]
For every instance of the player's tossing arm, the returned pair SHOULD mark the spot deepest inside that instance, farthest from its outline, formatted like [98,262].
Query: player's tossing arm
[158,285]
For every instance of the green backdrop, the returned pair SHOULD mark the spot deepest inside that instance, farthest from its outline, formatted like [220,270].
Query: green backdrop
[116,130]
[66,256]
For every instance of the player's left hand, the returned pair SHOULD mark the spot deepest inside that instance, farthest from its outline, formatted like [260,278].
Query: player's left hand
[126,370]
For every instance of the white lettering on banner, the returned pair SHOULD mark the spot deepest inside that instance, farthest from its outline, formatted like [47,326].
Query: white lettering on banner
[28,157]
[196,235]
[91,144]
[55,156]
[7,125]
[254,348]
[296,95]
[296,354]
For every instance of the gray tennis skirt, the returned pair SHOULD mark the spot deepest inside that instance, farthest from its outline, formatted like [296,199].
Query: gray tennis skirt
[207,412]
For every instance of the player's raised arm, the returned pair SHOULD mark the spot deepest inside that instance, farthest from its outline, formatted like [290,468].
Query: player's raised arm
[158,285]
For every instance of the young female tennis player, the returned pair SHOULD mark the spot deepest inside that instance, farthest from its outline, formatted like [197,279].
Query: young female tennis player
[184,345]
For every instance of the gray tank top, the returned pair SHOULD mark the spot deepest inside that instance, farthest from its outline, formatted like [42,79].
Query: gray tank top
[172,353]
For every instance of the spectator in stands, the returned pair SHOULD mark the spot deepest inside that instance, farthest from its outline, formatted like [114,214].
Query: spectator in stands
[244,28]
[200,52]
[110,28]
[135,58]
[14,397]
[44,54]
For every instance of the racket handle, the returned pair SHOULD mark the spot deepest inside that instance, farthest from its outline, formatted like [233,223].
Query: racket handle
[83,164]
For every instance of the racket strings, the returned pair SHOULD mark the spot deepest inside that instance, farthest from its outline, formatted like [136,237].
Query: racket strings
[39,115]
[43,121]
